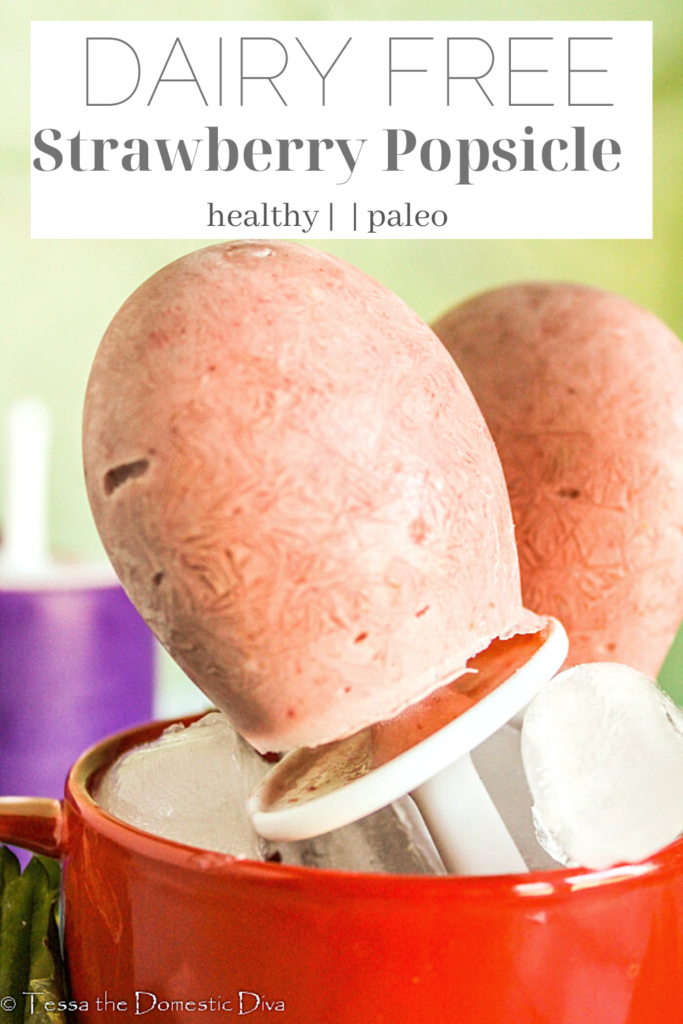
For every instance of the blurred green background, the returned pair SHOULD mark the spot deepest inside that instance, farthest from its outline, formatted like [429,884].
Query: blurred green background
[58,297]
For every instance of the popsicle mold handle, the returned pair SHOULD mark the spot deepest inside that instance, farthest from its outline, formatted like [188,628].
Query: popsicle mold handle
[465,825]
[34,823]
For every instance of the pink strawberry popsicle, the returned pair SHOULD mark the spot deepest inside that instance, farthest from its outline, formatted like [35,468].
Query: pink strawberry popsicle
[583,392]
[297,490]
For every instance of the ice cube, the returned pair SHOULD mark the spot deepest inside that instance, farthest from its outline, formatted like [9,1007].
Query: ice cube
[190,785]
[602,748]
[393,840]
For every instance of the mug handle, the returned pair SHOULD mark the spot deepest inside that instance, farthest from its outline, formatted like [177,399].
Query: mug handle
[34,823]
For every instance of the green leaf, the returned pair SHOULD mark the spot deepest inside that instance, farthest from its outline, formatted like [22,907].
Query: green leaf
[47,980]
[9,869]
[30,960]
[54,872]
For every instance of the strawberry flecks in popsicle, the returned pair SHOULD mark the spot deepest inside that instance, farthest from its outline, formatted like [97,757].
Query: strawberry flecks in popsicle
[326,503]
[583,393]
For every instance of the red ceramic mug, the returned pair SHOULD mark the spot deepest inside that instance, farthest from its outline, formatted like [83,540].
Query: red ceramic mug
[160,929]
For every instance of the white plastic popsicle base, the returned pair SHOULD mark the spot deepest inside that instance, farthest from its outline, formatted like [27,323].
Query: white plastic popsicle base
[309,793]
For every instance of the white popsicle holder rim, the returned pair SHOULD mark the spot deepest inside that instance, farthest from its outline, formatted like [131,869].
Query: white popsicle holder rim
[470,837]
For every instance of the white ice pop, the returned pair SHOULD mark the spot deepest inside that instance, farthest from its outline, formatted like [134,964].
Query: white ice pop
[25,549]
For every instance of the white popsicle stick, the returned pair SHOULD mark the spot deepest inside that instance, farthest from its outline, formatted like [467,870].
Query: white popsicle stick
[29,434]
[315,791]
[465,825]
